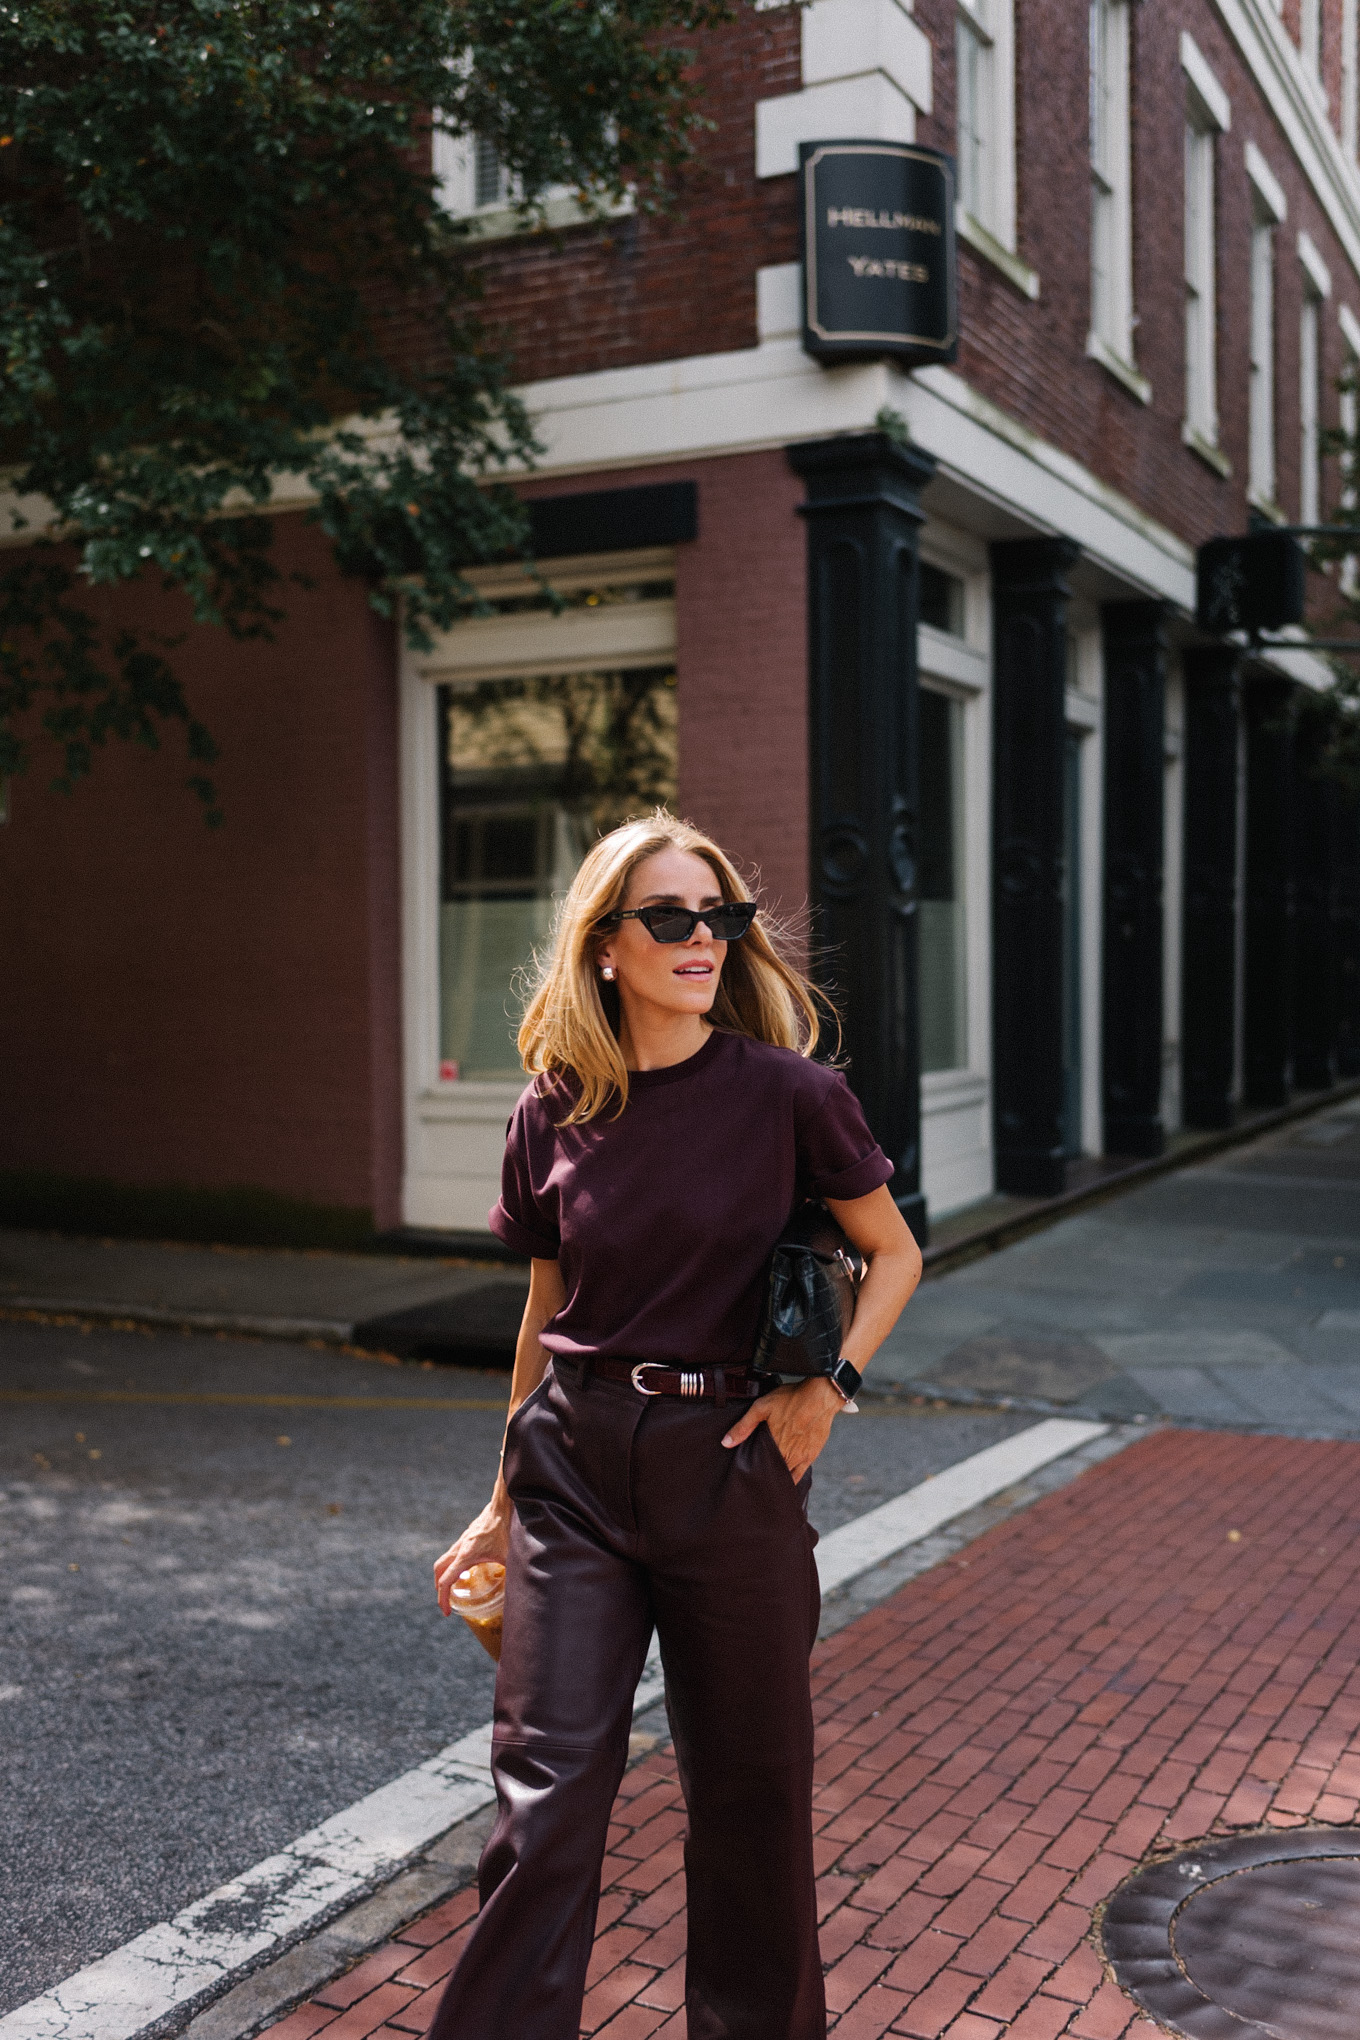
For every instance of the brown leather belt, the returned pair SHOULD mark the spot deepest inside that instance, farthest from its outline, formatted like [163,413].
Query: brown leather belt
[710,1384]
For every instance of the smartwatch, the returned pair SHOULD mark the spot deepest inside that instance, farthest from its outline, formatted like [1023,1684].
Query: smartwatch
[846,1381]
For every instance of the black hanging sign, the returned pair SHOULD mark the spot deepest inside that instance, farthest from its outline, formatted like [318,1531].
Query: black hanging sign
[878,251]
[1253,583]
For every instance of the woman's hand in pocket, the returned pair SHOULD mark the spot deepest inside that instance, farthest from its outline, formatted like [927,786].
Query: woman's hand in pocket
[800,1417]
[486,1541]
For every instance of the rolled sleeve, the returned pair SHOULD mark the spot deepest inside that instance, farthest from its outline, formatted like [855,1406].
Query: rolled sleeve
[520,1217]
[839,1155]
[538,1246]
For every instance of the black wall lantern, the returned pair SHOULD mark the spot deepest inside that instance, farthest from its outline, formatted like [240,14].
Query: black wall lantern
[878,252]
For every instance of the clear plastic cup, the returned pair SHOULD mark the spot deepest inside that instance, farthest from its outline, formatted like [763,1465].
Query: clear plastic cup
[479,1597]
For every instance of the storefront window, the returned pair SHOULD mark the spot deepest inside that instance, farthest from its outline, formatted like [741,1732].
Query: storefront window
[533,769]
[944,1039]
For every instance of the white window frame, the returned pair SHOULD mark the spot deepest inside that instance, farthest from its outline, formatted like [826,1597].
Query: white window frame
[1208,114]
[1349,418]
[1310,36]
[1201,262]
[957,1155]
[1261,371]
[1269,211]
[454,162]
[455,1128]
[1110,340]
[1317,288]
[986,29]
[1350,80]
[1310,416]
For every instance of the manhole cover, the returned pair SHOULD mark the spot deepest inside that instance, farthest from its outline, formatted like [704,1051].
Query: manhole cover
[1255,1938]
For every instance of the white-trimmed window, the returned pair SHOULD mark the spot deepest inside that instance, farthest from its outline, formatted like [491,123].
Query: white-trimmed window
[1310,35]
[1348,418]
[1111,183]
[1207,115]
[1261,406]
[1201,376]
[1310,321]
[985,53]
[1268,210]
[1317,288]
[554,724]
[941,908]
[472,178]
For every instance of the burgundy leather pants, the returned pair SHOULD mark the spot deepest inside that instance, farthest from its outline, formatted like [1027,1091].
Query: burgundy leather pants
[629,1513]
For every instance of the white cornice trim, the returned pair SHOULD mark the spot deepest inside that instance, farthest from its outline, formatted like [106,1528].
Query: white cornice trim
[1278,69]
[1210,94]
[1266,185]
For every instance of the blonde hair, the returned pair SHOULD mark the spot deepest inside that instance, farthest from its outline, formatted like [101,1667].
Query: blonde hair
[570,1025]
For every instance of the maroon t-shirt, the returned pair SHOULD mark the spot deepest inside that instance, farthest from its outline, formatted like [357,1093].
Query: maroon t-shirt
[663,1219]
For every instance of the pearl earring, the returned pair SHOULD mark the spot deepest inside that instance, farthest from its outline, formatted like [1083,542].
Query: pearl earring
[608,973]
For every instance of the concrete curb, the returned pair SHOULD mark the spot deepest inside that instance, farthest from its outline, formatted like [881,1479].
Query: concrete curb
[152,1317]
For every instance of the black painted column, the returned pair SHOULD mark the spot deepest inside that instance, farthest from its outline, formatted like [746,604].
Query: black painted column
[1315,825]
[1209,924]
[1268,1019]
[1133,636]
[1029,682]
[864,515]
[1346,909]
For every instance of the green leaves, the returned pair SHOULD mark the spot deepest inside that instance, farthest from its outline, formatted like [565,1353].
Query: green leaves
[222,263]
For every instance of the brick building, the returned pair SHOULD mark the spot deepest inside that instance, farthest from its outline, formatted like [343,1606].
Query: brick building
[1074,882]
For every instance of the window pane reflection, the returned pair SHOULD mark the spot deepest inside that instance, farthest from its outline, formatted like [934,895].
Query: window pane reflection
[944,1040]
[533,770]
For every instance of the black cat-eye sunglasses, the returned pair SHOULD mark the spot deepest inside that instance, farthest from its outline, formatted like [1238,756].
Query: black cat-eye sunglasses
[725,923]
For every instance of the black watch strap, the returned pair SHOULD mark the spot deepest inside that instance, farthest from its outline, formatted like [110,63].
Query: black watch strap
[845,1378]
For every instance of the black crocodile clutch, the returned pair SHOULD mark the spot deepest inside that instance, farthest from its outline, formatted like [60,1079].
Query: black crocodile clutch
[810,1299]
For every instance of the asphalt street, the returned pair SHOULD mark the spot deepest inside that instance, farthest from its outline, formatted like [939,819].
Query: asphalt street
[219,1627]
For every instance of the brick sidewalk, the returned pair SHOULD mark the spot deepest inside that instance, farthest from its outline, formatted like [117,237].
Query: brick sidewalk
[1163,1650]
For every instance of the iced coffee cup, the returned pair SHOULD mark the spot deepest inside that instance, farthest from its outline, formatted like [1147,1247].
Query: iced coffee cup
[479,1597]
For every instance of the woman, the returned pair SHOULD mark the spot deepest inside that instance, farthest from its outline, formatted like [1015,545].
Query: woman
[673,1122]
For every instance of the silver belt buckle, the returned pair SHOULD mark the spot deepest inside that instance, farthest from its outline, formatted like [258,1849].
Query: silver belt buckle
[641,1368]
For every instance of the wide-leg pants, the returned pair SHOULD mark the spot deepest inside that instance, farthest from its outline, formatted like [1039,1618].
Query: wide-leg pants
[629,1512]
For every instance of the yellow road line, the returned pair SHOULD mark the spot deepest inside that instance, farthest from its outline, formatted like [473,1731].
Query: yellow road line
[258,1402]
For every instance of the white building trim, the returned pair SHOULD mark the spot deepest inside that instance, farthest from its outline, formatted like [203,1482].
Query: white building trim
[985,41]
[866,74]
[1266,185]
[763,397]
[1316,270]
[1214,101]
[1300,110]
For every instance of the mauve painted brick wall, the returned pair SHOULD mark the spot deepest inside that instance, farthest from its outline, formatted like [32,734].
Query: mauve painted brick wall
[741,662]
[220,1007]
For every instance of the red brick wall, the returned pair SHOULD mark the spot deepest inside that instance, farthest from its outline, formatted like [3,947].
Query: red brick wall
[1031,358]
[742,661]
[220,1008]
[653,288]
[645,290]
